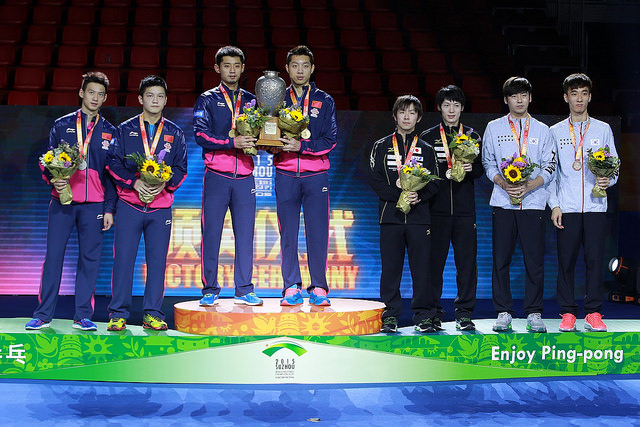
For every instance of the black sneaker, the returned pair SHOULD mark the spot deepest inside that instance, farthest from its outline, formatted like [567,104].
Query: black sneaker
[389,325]
[437,323]
[465,324]
[425,326]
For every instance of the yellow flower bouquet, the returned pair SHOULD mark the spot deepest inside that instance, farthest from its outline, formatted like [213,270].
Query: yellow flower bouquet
[152,170]
[516,170]
[465,150]
[412,178]
[602,164]
[250,122]
[292,122]
[62,162]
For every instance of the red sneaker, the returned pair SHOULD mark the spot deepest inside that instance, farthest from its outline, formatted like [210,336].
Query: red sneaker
[568,323]
[593,322]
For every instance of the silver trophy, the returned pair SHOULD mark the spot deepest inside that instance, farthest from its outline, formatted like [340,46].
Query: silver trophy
[270,91]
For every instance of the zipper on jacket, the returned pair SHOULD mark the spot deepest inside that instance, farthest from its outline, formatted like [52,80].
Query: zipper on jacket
[451,195]
[298,167]
[235,171]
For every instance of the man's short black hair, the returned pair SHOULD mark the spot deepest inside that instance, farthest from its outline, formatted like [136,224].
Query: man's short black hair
[95,77]
[576,81]
[451,93]
[405,101]
[151,81]
[300,50]
[229,51]
[515,85]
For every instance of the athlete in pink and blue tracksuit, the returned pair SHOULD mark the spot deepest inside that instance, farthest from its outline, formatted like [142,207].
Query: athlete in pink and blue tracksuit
[135,218]
[91,210]
[302,180]
[228,181]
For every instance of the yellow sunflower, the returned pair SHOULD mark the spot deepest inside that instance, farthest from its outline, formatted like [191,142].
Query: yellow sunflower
[463,137]
[598,155]
[151,167]
[518,159]
[512,173]
[166,172]
[64,157]
[296,115]
[242,117]
[48,157]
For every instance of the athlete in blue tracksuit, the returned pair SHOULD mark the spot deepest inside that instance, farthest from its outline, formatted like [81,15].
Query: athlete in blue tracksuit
[228,181]
[91,210]
[165,139]
[302,180]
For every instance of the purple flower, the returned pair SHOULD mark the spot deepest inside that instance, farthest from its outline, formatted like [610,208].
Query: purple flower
[161,155]
[504,164]
[520,165]
[252,103]
[67,164]
[607,154]
[413,162]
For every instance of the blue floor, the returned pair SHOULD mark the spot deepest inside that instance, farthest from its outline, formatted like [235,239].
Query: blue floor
[602,402]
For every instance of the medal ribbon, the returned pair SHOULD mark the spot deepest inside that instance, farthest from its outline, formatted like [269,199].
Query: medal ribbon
[445,145]
[227,99]
[409,154]
[145,141]
[294,99]
[572,133]
[83,147]
[522,144]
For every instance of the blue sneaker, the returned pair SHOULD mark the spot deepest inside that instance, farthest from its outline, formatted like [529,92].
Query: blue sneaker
[209,300]
[85,325]
[292,296]
[318,296]
[36,323]
[249,299]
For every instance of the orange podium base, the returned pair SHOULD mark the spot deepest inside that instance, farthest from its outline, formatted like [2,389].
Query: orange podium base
[343,317]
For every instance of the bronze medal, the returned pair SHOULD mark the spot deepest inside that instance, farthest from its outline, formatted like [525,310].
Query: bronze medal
[82,165]
[232,133]
[577,166]
[306,134]
[448,174]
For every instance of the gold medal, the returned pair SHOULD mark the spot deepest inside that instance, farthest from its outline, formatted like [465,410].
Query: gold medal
[448,174]
[232,133]
[306,134]
[576,165]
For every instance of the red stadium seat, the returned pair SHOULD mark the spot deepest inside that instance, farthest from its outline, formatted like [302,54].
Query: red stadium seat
[63,98]
[29,78]
[248,18]
[477,85]
[81,15]
[7,54]
[332,83]
[42,34]
[146,36]
[485,105]
[366,84]
[3,77]
[248,4]
[37,55]
[113,16]
[256,59]
[112,36]
[342,102]
[434,82]
[148,16]
[116,3]
[135,76]
[404,84]
[321,39]
[313,5]
[181,37]
[45,14]
[215,37]
[383,21]
[327,59]
[354,40]
[284,38]
[361,61]
[218,17]
[423,41]
[72,56]
[182,17]
[211,79]
[280,4]
[283,19]
[374,103]
[389,40]
[318,20]
[149,3]
[23,98]
[466,63]
[251,39]
[181,81]
[186,3]
[144,57]
[13,14]
[396,62]
[114,82]
[432,62]
[108,57]
[180,57]
[77,35]
[377,6]
[353,20]
[10,33]
[346,5]
[92,3]
[131,99]
[67,79]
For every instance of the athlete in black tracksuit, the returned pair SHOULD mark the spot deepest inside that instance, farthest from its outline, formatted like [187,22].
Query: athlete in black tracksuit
[399,231]
[453,220]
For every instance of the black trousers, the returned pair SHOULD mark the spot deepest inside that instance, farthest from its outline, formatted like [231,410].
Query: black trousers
[589,230]
[508,225]
[462,234]
[416,239]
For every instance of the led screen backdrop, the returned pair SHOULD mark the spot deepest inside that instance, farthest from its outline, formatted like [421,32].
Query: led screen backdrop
[354,258]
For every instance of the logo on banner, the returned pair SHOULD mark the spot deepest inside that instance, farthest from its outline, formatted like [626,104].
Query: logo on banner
[285,361]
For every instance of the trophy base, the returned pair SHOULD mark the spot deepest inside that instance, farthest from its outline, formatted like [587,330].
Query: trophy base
[270,133]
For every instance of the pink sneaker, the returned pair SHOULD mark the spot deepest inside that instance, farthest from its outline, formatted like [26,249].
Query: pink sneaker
[593,322]
[318,296]
[568,323]
[292,296]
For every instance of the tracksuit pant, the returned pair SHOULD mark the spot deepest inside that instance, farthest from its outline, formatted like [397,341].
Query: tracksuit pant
[131,223]
[88,220]
[221,193]
[588,229]
[415,238]
[508,225]
[461,232]
[310,191]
